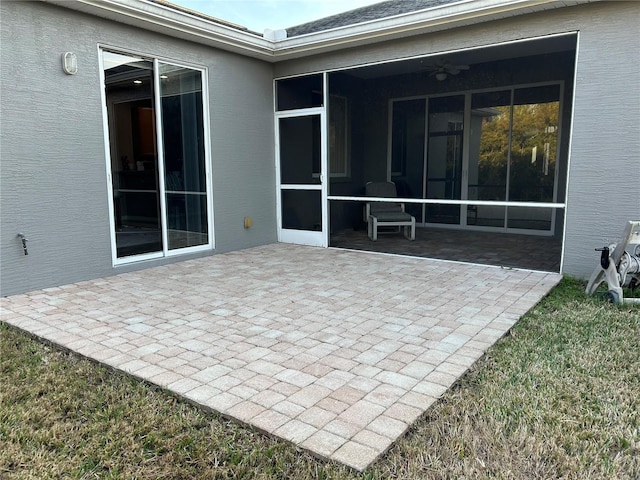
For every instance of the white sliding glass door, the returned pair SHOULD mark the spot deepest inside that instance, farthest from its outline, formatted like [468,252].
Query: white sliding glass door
[160,192]
[444,158]
[513,146]
[485,160]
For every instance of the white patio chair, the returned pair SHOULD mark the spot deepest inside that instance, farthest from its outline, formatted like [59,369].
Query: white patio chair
[387,214]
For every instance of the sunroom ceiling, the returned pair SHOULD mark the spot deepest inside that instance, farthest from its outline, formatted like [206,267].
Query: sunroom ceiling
[481,54]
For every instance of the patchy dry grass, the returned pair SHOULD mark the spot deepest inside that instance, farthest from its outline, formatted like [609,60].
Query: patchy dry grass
[62,416]
[557,398]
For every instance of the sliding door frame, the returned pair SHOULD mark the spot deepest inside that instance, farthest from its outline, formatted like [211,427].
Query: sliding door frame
[159,138]
[464,201]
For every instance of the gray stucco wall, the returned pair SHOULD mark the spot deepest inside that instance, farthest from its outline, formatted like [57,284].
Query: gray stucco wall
[53,180]
[604,185]
[603,192]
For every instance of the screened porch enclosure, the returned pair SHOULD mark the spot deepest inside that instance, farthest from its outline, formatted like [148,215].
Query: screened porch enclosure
[479,157]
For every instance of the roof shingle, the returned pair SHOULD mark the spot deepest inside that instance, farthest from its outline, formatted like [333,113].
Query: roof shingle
[364,14]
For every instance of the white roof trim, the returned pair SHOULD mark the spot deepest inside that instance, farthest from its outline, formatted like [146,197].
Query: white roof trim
[466,12]
[160,18]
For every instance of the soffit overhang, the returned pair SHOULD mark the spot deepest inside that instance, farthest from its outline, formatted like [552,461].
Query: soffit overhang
[168,21]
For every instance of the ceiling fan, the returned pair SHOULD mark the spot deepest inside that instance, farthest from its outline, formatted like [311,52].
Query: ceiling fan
[443,68]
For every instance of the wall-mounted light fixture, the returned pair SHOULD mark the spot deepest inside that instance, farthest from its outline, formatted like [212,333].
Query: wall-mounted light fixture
[69,63]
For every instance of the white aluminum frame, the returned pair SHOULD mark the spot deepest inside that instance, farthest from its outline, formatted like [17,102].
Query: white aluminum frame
[304,237]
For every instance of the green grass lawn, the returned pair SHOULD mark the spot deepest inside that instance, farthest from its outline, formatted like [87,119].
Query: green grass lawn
[558,397]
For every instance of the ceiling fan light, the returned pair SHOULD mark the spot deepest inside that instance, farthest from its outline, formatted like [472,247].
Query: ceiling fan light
[441,76]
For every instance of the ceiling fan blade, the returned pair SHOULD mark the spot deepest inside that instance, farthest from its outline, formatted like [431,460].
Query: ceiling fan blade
[444,67]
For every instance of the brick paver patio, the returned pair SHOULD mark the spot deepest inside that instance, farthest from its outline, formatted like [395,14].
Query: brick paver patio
[336,351]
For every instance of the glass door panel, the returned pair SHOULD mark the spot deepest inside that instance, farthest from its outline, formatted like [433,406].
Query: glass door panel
[489,145]
[184,157]
[444,157]
[129,94]
[486,215]
[186,220]
[407,150]
[534,144]
[530,218]
[532,168]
